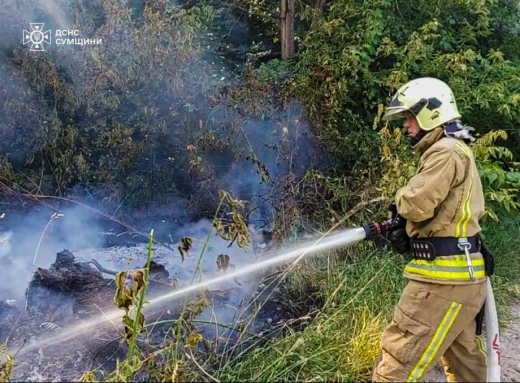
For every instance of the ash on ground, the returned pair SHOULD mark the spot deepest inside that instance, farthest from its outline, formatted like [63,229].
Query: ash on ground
[75,291]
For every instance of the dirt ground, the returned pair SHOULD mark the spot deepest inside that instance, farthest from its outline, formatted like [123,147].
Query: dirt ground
[510,345]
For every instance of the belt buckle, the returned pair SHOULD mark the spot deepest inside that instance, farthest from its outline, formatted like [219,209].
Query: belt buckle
[465,246]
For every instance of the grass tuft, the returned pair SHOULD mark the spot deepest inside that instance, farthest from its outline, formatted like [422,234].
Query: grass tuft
[355,292]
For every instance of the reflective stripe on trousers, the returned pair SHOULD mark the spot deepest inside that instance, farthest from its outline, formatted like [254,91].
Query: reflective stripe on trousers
[433,323]
[435,343]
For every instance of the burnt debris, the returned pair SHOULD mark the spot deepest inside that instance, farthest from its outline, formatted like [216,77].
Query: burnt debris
[69,281]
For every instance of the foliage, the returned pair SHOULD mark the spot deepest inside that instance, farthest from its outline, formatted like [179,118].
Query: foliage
[133,295]
[501,183]
[237,228]
[6,363]
[127,296]
[357,53]
[111,121]
[398,161]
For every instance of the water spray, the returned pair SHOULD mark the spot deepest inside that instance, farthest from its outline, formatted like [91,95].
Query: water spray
[160,303]
[369,231]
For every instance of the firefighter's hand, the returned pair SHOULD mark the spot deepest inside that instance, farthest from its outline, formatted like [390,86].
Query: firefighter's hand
[392,208]
[400,240]
[398,221]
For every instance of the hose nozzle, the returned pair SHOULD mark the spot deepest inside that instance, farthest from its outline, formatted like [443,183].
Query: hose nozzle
[374,229]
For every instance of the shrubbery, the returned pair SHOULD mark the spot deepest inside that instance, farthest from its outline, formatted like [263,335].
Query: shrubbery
[356,54]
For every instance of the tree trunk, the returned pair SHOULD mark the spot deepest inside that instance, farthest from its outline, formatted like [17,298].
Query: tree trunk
[287,28]
[318,6]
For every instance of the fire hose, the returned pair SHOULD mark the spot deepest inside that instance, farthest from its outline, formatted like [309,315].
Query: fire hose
[375,229]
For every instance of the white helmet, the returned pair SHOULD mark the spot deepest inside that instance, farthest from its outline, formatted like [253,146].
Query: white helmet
[429,99]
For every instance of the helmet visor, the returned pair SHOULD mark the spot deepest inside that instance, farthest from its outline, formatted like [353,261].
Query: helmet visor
[394,113]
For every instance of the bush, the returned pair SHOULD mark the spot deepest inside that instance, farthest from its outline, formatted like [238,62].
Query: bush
[358,53]
[101,113]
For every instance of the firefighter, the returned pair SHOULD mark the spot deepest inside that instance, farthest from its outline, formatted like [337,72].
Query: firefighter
[437,316]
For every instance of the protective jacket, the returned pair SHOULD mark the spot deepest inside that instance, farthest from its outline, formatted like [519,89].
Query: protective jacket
[444,199]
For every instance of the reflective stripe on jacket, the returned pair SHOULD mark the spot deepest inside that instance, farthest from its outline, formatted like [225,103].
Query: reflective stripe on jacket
[444,199]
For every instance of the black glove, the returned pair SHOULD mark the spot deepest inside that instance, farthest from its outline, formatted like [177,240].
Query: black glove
[397,234]
[400,240]
[398,221]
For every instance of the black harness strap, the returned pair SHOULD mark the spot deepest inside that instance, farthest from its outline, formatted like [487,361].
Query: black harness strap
[431,247]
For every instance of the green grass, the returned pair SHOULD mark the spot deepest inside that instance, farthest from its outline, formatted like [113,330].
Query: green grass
[354,292]
[359,289]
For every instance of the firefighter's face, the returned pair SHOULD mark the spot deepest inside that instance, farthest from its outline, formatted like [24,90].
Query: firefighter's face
[411,124]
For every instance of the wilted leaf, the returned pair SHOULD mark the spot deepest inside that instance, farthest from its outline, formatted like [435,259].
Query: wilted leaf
[217,224]
[123,297]
[197,306]
[193,340]
[242,240]
[138,278]
[186,245]
[129,326]
[6,365]
[237,228]
[222,262]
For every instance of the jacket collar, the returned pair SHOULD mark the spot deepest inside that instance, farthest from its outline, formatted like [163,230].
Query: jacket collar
[428,140]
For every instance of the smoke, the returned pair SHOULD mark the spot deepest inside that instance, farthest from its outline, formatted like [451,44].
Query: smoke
[146,127]
[35,237]
[232,295]
[135,88]
[123,257]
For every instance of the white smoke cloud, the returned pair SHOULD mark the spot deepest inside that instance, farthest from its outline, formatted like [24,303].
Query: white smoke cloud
[36,238]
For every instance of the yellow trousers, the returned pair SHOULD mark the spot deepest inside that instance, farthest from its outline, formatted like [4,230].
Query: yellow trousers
[434,323]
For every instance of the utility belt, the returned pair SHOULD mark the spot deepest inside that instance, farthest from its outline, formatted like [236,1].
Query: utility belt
[432,247]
